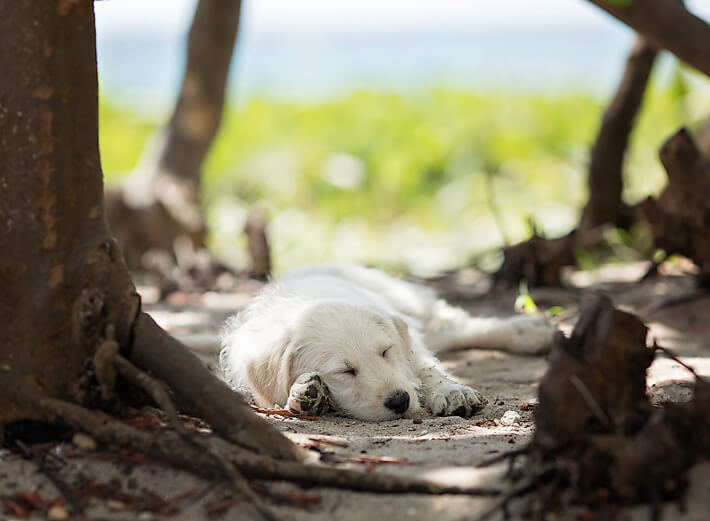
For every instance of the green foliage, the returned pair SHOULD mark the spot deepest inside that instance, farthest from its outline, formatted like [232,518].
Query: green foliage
[378,177]
[524,301]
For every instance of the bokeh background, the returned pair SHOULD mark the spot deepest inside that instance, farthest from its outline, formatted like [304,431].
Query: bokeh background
[422,136]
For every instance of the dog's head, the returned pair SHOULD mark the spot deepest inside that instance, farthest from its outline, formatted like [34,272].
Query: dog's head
[364,357]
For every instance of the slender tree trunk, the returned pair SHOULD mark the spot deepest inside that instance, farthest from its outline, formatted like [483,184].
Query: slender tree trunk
[161,201]
[539,261]
[666,24]
[607,155]
[67,296]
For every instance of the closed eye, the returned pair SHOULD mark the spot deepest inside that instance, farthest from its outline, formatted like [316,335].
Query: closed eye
[349,371]
[384,351]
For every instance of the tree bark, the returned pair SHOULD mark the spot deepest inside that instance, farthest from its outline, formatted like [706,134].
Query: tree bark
[66,289]
[62,274]
[666,24]
[162,199]
[607,155]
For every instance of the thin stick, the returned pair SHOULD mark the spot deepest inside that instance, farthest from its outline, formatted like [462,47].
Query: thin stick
[670,354]
[283,412]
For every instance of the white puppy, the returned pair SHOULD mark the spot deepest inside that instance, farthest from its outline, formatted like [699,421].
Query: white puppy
[361,342]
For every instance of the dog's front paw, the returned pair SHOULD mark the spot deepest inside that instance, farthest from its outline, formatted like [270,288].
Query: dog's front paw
[452,399]
[309,395]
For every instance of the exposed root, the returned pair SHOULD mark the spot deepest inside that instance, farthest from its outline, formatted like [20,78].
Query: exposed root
[199,393]
[598,442]
[169,447]
[157,391]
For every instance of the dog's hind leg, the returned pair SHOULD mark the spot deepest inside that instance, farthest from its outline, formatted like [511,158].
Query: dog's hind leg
[453,328]
[309,395]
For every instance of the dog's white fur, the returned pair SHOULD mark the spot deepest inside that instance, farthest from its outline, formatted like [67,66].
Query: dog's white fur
[367,335]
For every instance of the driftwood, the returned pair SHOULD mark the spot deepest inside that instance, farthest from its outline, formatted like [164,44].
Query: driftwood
[680,217]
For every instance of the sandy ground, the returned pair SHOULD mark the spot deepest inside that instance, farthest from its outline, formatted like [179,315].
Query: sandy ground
[440,449]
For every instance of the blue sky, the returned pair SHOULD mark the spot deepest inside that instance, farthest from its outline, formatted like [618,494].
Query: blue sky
[322,48]
[261,17]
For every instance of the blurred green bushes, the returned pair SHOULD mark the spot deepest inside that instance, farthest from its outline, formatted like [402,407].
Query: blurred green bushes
[404,181]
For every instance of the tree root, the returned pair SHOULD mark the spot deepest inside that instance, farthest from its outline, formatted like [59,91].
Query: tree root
[598,442]
[170,447]
[200,393]
[157,391]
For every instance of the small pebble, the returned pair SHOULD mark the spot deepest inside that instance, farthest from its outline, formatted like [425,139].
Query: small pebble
[417,420]
[57,513]
[509,418]
[84,441]
[114,504]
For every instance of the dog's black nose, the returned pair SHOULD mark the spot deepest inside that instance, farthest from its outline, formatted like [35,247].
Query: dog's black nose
[398,401]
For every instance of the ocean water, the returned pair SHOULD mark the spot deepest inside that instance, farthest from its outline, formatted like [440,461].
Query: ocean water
[315,66]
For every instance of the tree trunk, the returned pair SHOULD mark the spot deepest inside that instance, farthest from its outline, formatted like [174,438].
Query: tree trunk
[666,24]
[67,293]
[62,273]
[539,261]
[680,217]
[607,155]
[161,201]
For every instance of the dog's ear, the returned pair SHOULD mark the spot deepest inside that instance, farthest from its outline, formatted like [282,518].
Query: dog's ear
[403,330]
[271,376]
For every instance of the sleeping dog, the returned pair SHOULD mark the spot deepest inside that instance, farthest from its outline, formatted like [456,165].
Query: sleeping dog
[361,342]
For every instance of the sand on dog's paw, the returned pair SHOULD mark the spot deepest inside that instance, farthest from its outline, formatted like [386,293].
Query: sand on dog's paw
[454,399]
[309,395]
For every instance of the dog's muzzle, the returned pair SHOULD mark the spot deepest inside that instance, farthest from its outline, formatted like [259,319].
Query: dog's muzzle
[398,401]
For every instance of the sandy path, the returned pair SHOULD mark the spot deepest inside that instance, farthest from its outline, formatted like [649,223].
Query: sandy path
[442,449]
